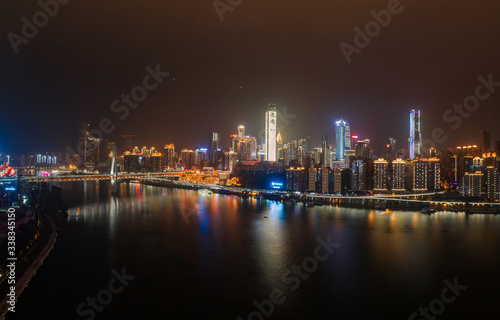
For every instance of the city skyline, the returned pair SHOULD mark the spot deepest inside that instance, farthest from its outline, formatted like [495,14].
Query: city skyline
[265,159]
[351,137]
[232,76]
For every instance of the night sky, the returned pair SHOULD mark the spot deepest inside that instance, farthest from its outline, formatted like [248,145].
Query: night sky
[223,73]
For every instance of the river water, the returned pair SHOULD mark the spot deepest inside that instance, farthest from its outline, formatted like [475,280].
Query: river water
[200,256]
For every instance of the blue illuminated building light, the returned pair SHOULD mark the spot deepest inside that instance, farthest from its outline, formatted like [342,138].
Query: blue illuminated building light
[277,185]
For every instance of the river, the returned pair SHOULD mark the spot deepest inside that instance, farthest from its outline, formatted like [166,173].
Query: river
[210,256]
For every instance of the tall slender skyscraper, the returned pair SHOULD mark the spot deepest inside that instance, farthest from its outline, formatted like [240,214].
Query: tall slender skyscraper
[271,132]
[415,135]
[326,155]
[252,145]
[279,144]
[213,146]
[342,139]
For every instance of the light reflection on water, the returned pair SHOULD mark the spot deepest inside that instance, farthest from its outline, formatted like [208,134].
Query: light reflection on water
[235,251]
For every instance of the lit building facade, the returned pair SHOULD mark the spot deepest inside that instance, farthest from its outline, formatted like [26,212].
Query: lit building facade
[471,185]
[313,179]
[156,162]
[419,175]
[295,179]
[187,158]
[398,175]
[327,180]
[337,172]
[358,175]
[415,135]
[433,174]
[492,183]
[342,138]
[252,146]
[213,146]
[362,149]
[131,162]
[380,175]
[241,131]
[200,156]
[270,139]
[169,156]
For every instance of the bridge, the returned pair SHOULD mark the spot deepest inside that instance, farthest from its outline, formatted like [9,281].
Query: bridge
[113,176]
[88,177]
[415,198]
[379,196]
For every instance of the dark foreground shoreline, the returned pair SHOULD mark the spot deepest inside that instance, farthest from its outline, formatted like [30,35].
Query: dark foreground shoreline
[47,207]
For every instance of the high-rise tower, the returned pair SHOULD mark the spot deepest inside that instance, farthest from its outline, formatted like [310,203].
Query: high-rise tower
[415,135]
[342,139]
[271,118]
[213,147]
[241,131]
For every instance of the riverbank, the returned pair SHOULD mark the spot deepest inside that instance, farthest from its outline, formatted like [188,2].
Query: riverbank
[40,244]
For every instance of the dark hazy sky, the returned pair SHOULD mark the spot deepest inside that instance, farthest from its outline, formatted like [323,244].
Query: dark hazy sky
[287,52]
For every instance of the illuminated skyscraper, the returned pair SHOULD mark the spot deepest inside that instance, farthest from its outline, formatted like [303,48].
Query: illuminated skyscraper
[326,158]
[358,175]
[415,135]
[271,132]
[295,179]
[213,146]
[252,145]
[169,156]
[380,176]
[200,155]
[342,139]
[492,183]
[241,131]
[279,146]
[84,136]
[471,184]
[420,175]
[362,149]
[398,175]
[242,149]
[187,158]
[433,174]
[131,162]
[337,180]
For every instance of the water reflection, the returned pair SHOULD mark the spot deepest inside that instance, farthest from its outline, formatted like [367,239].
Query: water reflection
[239,249]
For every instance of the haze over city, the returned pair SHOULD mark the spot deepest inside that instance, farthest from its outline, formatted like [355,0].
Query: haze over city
[249,160]
[223,72]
